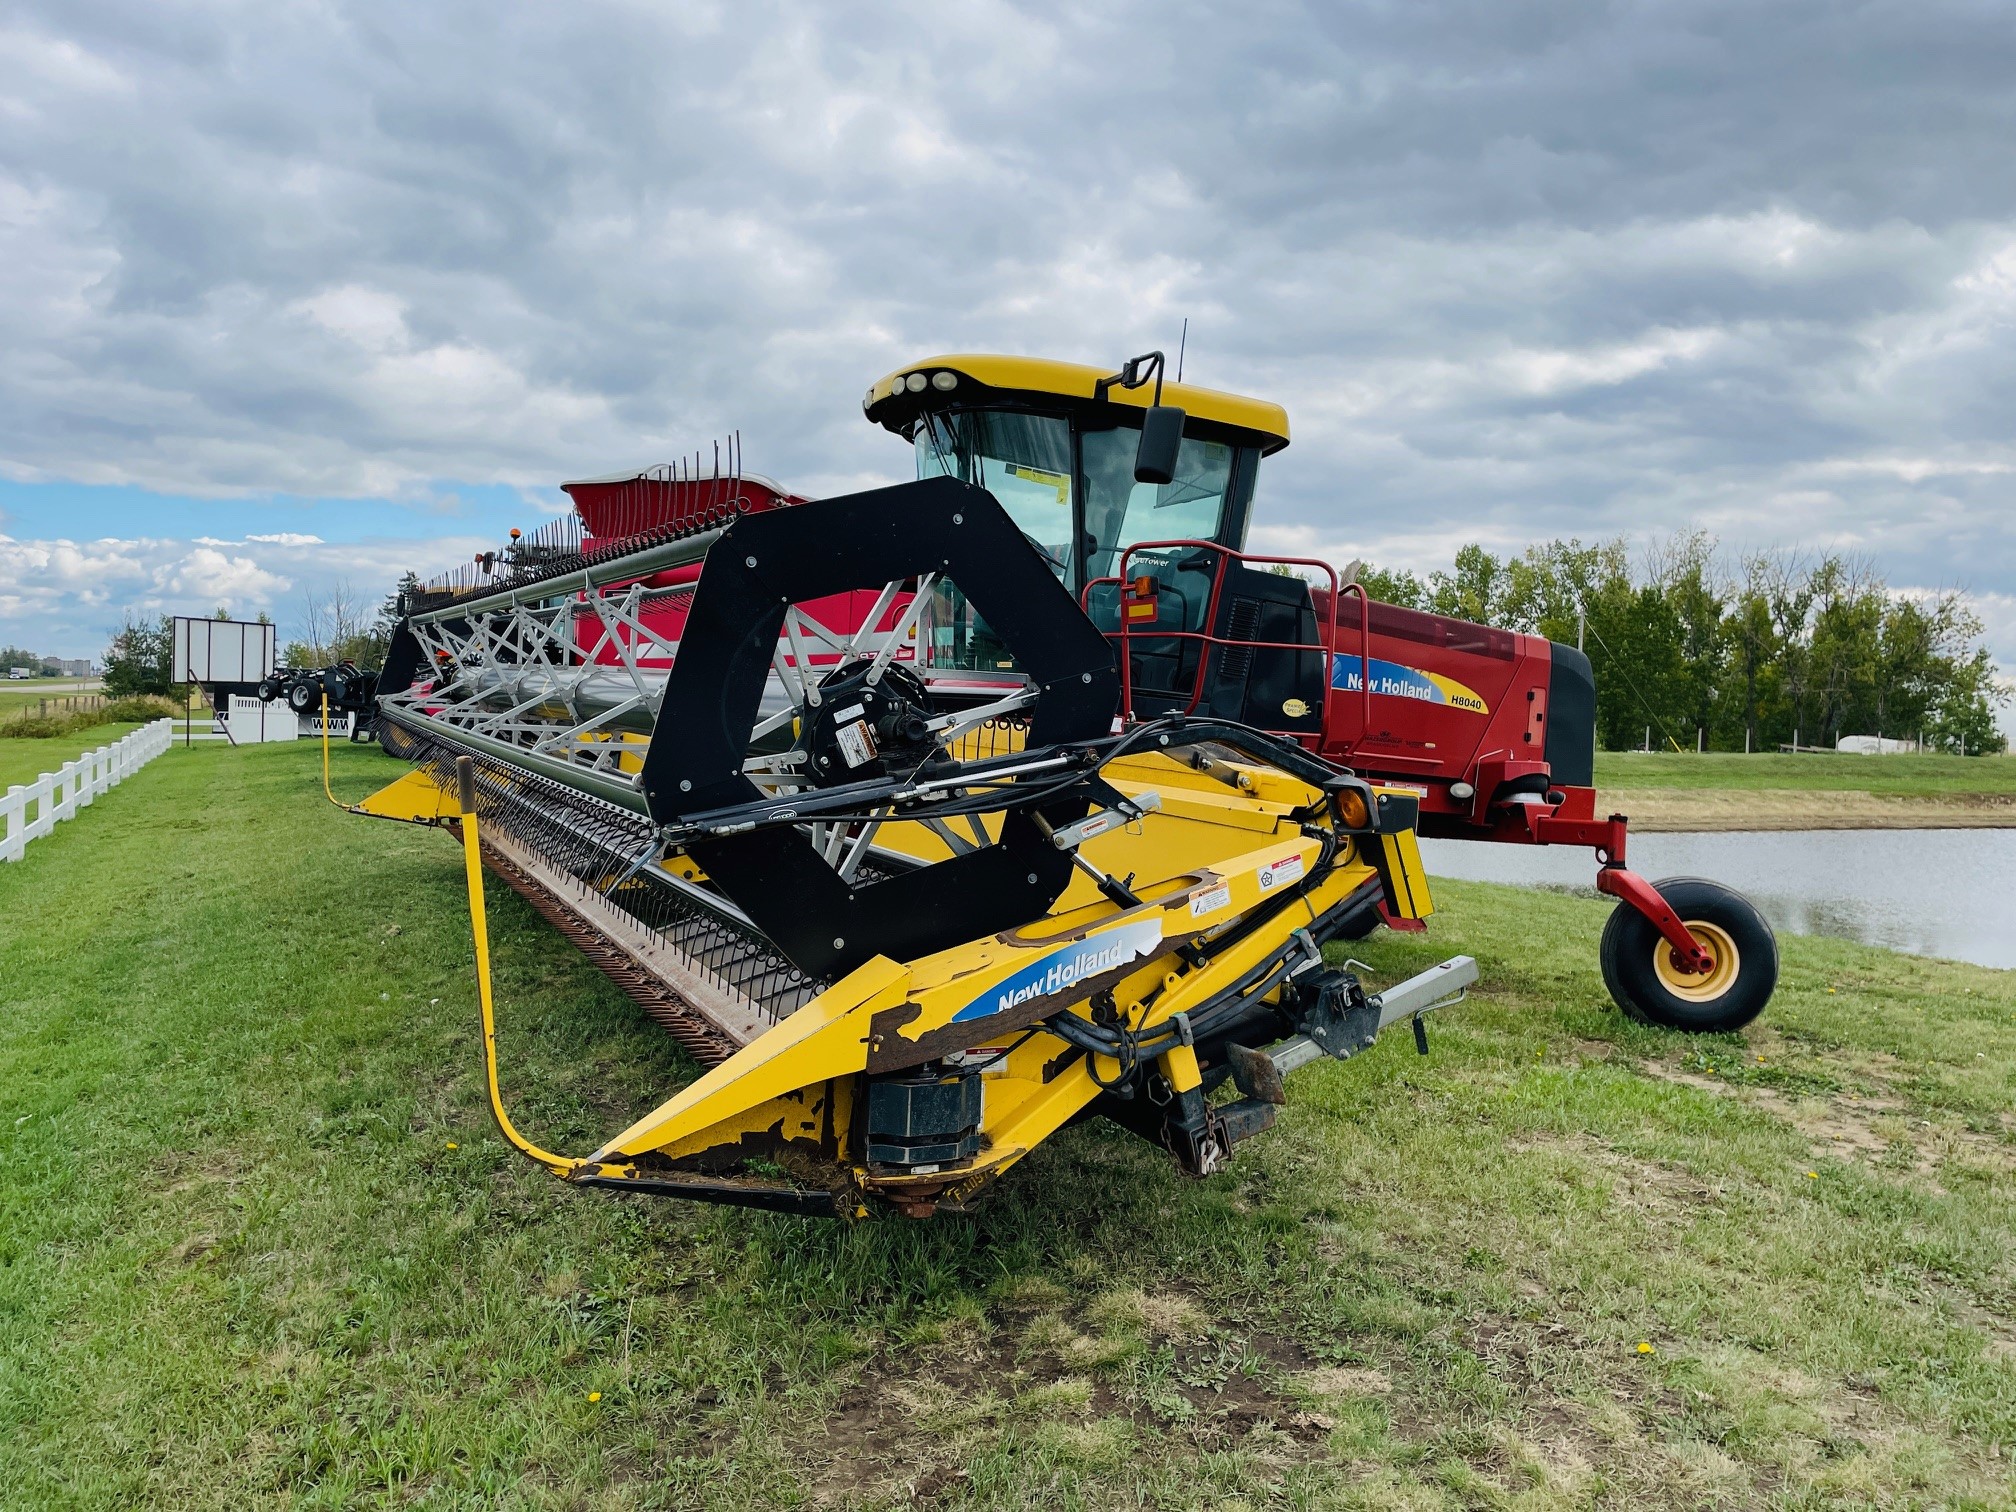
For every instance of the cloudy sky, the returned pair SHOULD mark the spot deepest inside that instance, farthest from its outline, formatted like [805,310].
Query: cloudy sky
[291,291]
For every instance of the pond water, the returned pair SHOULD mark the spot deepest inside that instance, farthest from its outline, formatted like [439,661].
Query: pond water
[1949,892]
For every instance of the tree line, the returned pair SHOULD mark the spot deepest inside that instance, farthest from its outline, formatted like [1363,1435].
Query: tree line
[1771,650]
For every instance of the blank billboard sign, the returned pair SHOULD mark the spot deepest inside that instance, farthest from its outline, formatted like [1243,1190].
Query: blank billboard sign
[221,651]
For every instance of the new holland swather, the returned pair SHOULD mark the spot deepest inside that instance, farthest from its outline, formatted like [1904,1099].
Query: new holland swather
[937,817]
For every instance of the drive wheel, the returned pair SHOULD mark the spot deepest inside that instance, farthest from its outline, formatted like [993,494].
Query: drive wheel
[1638,965]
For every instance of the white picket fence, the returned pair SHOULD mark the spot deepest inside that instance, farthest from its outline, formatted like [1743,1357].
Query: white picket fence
[58,795]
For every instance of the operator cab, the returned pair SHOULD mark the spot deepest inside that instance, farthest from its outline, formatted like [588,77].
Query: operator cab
[1090,463]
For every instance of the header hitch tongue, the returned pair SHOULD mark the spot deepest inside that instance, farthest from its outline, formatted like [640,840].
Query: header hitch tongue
[1341,1021]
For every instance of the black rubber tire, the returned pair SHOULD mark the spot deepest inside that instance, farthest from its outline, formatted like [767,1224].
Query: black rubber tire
[1631,943]
[303,697]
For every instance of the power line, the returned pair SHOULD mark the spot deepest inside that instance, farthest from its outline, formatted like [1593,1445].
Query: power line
[1643,701]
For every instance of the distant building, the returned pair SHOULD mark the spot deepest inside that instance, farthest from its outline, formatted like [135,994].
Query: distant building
[54,666]
[1873,745]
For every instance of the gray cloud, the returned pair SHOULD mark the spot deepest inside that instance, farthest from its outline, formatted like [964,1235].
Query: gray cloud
[1515,269]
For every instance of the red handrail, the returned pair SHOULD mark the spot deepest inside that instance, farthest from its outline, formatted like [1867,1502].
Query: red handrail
[1225,555]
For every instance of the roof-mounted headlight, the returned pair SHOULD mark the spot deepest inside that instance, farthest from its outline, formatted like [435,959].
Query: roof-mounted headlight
[914,383]
[944,382]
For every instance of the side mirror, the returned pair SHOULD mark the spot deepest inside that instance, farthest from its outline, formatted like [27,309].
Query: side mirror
[1161,437]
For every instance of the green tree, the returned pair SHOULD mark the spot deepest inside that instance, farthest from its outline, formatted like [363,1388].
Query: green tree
[140,658]
[1475,590]
[1963,719]
[1547,586]
[1752,676]
[1636,650]
[1788,650]
[1682,570]
[394,608]
[1390,586]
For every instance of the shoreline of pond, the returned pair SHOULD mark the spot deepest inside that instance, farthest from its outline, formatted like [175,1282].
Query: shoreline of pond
[1724,810]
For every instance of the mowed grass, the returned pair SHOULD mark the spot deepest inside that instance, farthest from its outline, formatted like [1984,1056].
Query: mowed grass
[259,1244]
[25,759]
[57,693]
[1813,772]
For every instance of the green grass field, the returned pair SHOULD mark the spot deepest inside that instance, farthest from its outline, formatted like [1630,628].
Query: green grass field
[23,760]
[14,702]
[1889,775]
[260,1246]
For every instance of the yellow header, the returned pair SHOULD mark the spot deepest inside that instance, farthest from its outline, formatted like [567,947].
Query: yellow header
[1070,380]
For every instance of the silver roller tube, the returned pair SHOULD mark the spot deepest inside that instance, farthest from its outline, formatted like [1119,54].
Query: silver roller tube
[573,698]
[570,698]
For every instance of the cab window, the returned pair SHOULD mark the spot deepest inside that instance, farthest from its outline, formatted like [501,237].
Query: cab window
[1024,460]
[1120,512]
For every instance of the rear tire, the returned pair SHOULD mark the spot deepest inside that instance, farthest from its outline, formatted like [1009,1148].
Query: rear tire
[1638,965]
[301,697]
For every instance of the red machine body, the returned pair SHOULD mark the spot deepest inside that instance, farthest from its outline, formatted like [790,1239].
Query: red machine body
[1491,730]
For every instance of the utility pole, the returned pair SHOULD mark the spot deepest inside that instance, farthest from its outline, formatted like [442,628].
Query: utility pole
[1581,624]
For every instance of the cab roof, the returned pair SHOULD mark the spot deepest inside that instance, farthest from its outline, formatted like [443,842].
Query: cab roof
[983,375]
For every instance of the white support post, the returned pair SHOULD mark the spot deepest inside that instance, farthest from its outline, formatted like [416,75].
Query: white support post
[44,794]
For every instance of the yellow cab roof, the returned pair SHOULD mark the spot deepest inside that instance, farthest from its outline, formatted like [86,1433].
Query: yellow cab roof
[1040,376]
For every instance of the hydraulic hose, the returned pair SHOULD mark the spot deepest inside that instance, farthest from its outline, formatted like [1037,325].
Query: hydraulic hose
[326,792]
[472,860]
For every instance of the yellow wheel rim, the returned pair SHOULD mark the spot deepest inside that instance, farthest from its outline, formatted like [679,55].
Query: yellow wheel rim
[1704,986]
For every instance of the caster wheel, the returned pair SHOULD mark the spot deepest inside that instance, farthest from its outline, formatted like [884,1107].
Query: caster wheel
[1638,964]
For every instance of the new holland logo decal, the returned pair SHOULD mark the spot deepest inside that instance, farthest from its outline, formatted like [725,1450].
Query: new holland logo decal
[1391,680]
[1058,970]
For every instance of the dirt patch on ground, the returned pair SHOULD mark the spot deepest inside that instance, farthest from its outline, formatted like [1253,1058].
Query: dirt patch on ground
[1655,810]
[1126,1360]
[1638,1183]
[1853,1126]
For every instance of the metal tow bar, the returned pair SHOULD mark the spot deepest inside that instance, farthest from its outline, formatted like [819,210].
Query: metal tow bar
[1259,1073]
